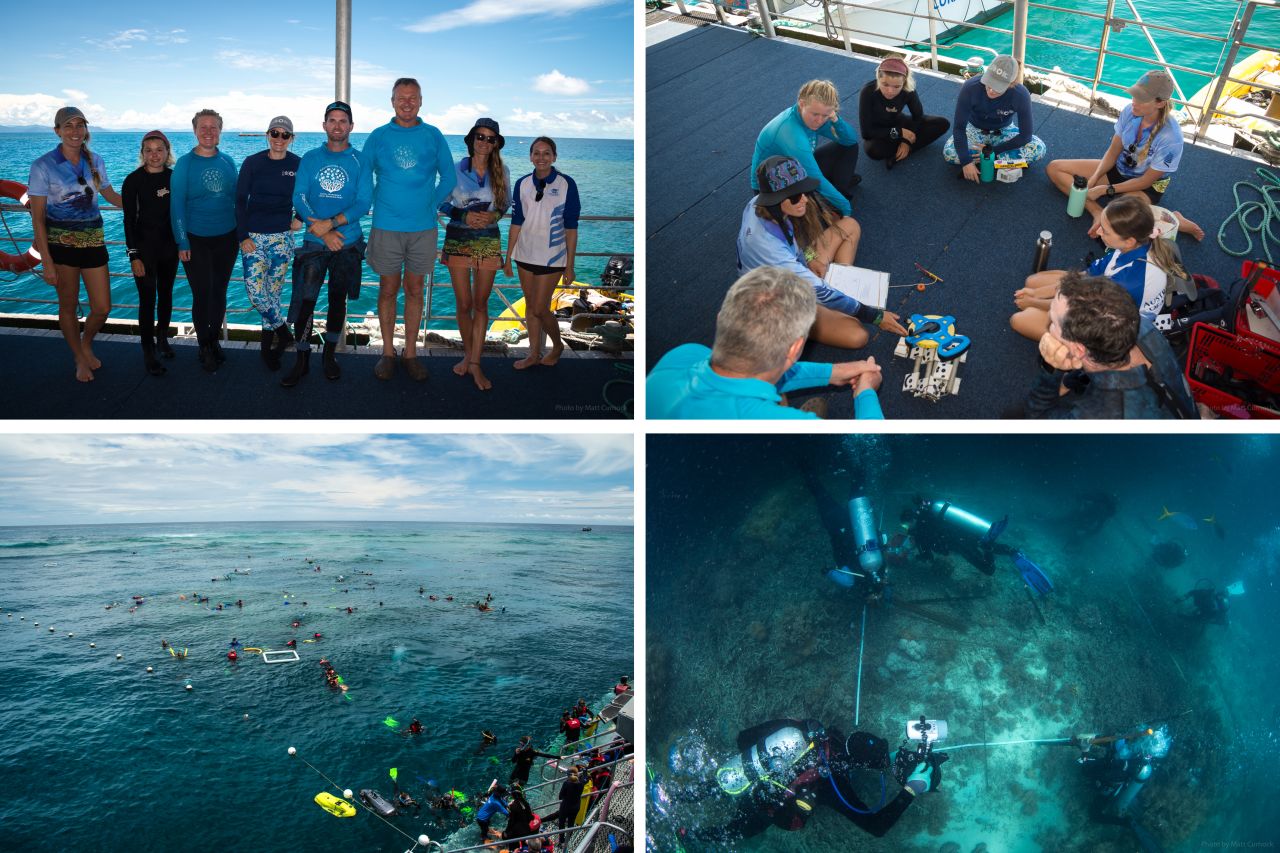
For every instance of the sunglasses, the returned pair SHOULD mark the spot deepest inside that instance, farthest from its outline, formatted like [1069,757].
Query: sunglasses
[88,190]
[281,134]
[488,139]
[796,199]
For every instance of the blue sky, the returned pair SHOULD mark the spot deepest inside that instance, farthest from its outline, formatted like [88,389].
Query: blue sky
[107,479]
[560,67]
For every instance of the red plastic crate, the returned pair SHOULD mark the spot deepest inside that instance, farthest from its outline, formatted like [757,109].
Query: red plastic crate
[1268,280]
[1249,357]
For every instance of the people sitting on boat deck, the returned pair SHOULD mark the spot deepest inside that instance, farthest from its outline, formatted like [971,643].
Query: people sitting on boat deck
[523,758]
[993,112]
[882,115]
[1146,266]
[1210,605]
[1102,360]
[1145,151]
[804,764]
[408,164]
[787,225]
[332,194]
[812,132]
[760,332]
[494,804]
[64,186]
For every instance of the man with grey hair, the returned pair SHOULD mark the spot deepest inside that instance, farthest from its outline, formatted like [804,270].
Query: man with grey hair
[760,332]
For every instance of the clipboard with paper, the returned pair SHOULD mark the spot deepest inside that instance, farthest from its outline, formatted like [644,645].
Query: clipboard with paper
[869,287]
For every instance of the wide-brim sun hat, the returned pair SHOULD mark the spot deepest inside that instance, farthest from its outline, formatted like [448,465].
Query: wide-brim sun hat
[487,124]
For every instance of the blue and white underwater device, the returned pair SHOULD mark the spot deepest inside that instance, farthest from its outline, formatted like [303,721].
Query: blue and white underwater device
[936,352]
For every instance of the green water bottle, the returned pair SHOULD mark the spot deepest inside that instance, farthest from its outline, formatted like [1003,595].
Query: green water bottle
[988,165]
[1076,198]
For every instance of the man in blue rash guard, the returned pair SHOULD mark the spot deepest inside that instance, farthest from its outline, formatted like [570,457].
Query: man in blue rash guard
[811,132]
[985,118]
[760,332]
[331,195]
[414,172]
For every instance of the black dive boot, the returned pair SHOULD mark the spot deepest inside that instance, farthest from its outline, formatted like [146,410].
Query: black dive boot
[300,369]
[207,359]
[162,346]
[269,354]
[154,367]
[284,340]
[216,349]
[331,369]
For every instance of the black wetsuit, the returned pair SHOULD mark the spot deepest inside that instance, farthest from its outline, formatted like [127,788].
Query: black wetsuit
[932,534]
[523,758]
[570,802]
[519,813]
[148,234]
[882,121]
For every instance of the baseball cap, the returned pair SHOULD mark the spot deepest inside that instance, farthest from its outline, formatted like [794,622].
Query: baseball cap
[65,115]
[1001,73]
[1154,85]
[339,105]
[780,178]
[280,122]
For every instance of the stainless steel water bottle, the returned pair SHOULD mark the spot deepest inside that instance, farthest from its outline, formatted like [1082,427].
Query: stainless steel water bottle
[1041,262]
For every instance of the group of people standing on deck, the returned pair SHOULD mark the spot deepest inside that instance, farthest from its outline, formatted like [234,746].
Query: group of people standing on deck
[199,210]
[800,220]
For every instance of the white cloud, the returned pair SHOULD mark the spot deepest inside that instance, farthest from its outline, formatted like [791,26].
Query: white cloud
[76,94]
[555,83]
[458,118]
[126,39]
[482,12]
[589,123]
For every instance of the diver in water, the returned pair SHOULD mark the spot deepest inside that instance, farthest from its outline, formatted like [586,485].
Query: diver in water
[405,802]
[1210,604]
[786,767]
[940,527]
[1118,766]
[487,739]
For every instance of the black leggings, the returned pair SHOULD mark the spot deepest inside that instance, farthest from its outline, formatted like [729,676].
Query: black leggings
[208,272]
[337,319]
[155,295]
[839,164]
[927,130]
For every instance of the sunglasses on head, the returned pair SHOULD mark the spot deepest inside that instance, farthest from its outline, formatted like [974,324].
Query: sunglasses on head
[488,139]
[281,134]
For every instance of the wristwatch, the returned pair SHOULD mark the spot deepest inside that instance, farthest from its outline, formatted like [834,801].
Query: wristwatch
[1111,190]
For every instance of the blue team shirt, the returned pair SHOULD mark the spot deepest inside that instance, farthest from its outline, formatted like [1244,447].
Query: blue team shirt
[69,202]
[1144,281]
[414,173]
[543,223]
[330,183]
[1164,154]
[787,135]
[682,385]
[202,197]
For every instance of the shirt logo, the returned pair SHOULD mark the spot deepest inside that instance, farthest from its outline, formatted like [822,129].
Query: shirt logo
[404,157]
[162,192]
[554,191]
[331,178]
[212,180]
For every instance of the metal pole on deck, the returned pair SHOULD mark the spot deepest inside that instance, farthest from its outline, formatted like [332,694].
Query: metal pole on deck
[933,34]
[844,28]
[342,57]
[1020,30]
[1155,48]
[1102,53]
[1238,31]
[765,20]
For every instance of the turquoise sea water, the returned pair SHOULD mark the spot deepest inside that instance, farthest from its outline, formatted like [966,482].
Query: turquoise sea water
[100,755]
[603,169]
[1210,17]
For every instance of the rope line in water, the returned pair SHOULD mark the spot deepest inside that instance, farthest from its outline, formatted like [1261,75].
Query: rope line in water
[359,802]
[1267,211]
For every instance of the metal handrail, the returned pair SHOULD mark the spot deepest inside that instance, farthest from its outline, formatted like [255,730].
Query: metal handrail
[1109,20]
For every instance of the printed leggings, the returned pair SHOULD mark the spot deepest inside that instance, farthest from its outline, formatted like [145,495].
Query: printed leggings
[208,272]
[155,295]
[1031,152]
[265,269]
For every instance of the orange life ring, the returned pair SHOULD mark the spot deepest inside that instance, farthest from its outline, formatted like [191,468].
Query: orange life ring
[31,258]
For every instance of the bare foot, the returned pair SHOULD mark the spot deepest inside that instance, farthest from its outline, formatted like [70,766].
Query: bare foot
[482,381]
[525,363]
[461,367]
[550,359]
[1186,226]
[92,360]
[83,372]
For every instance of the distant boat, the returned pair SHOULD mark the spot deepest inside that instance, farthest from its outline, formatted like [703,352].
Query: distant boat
[248,134]
[586,530]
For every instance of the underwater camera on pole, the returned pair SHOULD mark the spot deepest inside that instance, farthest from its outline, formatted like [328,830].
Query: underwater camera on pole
[924,733]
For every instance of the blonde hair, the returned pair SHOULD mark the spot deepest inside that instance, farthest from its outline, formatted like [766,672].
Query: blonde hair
[908,85]
[1161,115]
[169,159]
[822,91]
[195,118]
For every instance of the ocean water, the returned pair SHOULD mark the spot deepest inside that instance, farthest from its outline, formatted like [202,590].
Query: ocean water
[743,627]
[1210,17]
[602,168]
[100,755]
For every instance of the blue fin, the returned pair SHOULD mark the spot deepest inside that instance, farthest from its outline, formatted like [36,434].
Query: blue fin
[1031,574]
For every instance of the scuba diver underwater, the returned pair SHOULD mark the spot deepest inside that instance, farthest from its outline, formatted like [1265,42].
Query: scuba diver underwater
[783,770]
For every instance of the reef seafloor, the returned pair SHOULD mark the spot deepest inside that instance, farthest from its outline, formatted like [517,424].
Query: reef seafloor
[752,630]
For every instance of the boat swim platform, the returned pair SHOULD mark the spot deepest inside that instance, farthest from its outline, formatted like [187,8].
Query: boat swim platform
[710,89]
[39,381]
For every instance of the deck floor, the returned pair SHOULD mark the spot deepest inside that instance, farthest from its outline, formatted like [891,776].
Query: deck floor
[711,89]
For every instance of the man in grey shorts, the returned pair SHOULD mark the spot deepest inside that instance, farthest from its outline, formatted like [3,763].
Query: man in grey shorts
[414,173]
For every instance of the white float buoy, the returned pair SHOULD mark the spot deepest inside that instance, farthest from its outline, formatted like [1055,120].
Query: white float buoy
[246,716]
[70,635]
[149,669]
[424,840]
[37,624]
[50,629]
[22,619]
[93,645]
[347,793]
[292,750]
[119,656]
[189,687]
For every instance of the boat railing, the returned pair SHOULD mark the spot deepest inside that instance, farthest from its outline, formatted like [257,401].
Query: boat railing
[560,773]
[836,22]
[355,325]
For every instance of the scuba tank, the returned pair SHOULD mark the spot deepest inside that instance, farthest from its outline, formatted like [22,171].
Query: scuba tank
[770,757]
[961,519]
[1076,198]
[866,537]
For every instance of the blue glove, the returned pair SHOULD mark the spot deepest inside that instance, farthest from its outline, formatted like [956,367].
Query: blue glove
[921,779]
[842,576]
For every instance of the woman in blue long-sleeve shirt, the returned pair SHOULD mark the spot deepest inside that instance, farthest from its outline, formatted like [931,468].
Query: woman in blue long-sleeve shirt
[993,111]
[812,132]
[779,229]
